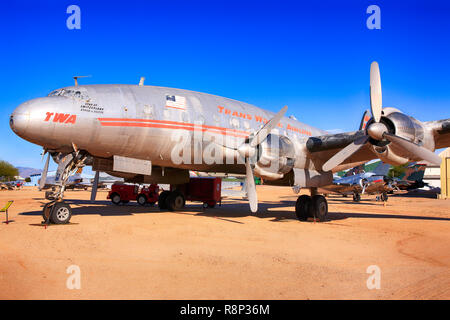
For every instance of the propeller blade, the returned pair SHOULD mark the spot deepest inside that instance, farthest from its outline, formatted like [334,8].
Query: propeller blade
[250,186]
[94,186]
[375,91]
[413,149]
[364,186]
[264,131]
[44,173]
[340,157]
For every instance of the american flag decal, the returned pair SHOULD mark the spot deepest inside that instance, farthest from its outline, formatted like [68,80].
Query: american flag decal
[176,102]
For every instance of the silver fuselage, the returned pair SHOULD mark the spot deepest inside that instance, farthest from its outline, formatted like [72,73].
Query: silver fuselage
[138,122]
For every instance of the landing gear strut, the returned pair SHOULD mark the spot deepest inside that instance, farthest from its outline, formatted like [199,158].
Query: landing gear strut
[314,206]
[57,211]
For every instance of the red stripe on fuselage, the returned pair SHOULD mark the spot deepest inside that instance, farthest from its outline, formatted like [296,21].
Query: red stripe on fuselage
[187,126]
[176,108]
[129,122]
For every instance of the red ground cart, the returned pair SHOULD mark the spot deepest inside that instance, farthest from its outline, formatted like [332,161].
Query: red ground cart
[207,190]
[124,193]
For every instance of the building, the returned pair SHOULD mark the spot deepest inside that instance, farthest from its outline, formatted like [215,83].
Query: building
[432,176]
[445,174]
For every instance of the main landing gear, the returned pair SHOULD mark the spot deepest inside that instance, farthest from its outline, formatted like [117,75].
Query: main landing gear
[314,206]
[171,200]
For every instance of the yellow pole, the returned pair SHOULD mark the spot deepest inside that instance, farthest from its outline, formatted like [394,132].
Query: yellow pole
[445,178]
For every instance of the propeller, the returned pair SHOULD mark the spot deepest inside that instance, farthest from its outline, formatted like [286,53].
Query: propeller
[375,92]
[251,188]
[248,149]
[262,134]
[378,130]
[411,147]
[363,183]
[44,171]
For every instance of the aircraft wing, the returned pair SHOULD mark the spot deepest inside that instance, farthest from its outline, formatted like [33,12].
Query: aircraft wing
[341,188]
[377,187]
[322,148]
[441,132]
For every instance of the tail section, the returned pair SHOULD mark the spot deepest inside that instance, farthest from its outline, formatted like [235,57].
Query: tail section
[365,118]
[355,170]
[414,172]
[382,169]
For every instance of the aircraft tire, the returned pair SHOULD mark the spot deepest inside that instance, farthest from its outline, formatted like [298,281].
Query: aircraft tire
[356,197]
[61,213]
[384,197]
[175,201]
[162,200]
[319,207]
[302,207]
[46,211]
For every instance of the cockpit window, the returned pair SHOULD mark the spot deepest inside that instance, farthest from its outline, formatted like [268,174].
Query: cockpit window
[55,93]
[79,94]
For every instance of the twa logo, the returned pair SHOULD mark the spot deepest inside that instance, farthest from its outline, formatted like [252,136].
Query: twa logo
[61,117]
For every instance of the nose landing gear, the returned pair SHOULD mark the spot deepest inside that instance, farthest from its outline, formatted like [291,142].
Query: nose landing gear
[57,211]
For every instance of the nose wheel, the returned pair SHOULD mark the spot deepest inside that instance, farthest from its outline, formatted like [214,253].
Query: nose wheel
[56,212]
[311,207]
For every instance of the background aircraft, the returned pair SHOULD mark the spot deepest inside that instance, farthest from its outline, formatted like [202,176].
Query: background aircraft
[356,181]
[73,182]
[411,178]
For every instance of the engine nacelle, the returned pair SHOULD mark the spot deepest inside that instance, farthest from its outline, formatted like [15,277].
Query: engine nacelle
[276,157]
[403,126]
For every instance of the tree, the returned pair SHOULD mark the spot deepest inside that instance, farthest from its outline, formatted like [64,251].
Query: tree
[27,179]
[7,171]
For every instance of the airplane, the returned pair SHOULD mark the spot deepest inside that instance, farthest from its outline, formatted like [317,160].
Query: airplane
[357,182]
[411,178]
[150,134]
[106,184]
[77,181]
[103,181]
[72,182]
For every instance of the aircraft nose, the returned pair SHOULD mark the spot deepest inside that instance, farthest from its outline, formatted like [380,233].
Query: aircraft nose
[31,121]
[19,119]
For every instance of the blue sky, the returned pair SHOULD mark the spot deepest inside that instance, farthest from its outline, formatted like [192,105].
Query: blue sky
[313,57]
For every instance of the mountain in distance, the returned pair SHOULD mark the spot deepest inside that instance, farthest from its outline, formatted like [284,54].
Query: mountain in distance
[25,172]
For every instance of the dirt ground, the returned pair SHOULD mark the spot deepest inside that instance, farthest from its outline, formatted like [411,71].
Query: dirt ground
[133,252]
